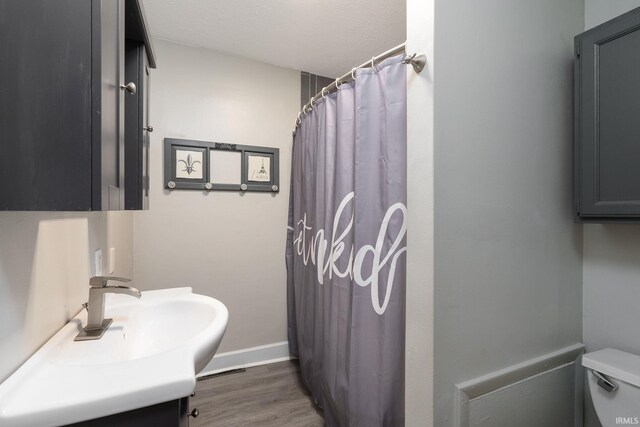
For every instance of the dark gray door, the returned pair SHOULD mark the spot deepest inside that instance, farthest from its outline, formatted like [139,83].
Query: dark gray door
[108,108]
[146,135]
[45,99]
[136,127]
[608,119]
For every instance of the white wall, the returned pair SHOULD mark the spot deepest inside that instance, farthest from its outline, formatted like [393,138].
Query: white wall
[224,244]
[508,270]
[598,11]
[420,193]
[611,264]
[46,260]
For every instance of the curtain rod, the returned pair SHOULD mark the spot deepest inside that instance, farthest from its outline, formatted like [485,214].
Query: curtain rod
[418,63]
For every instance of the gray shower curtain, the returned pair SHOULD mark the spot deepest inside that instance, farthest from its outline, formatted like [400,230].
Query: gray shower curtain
[346,249]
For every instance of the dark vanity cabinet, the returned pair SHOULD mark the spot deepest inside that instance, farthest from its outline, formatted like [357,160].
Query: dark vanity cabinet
[174,413]
[607,121]
[63,102]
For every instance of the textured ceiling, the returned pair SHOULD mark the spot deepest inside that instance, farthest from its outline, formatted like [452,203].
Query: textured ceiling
[326,37]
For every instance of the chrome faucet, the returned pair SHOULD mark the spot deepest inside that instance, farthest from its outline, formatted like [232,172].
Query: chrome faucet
[96,323]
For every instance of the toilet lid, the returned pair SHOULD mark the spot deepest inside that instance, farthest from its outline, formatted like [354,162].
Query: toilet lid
[614,363]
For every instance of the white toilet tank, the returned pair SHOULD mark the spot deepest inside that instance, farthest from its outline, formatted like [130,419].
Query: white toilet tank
[614,382]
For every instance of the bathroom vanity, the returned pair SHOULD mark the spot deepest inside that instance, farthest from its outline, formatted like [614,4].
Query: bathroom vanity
[73,121]
[168,414]
[141,372]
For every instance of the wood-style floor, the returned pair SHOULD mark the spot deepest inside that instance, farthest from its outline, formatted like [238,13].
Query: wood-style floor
[265,396]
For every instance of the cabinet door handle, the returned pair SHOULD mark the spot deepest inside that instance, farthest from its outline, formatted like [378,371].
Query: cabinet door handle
[129,87]
[148,128]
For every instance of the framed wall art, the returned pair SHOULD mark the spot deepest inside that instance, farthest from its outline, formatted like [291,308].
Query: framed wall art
[186,165]
[216,166]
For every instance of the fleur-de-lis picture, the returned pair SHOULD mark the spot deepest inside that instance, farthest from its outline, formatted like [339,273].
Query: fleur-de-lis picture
[189,164]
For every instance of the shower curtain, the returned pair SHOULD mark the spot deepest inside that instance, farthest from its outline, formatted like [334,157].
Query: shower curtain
[346,249]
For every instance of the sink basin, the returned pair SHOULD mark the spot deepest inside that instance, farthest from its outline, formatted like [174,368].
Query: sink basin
[150,354]
[146,327]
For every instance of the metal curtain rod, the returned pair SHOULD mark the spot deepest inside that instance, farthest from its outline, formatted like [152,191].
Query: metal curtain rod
[418,63]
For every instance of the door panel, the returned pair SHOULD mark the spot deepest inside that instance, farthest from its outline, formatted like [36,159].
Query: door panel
[45,100]
[608,114]
[108,64]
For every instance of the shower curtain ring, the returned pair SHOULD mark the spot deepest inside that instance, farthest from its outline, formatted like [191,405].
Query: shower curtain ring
[322,92]
[373,64]
[338,83]
[312,104]
[353,73]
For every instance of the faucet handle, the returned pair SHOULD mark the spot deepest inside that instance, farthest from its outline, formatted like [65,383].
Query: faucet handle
[101,281]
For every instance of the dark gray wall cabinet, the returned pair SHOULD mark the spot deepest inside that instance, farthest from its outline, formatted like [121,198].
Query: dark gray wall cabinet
[62,105]
[607,121]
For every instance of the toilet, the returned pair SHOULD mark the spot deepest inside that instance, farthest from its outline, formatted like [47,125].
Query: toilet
[614,382]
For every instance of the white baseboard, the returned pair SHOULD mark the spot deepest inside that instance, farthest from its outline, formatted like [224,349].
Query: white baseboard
[247,357]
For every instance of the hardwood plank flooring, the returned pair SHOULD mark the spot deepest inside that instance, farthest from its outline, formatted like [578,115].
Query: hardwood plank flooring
[266,396]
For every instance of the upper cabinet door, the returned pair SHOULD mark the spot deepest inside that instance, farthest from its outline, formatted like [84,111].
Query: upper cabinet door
[607,115]
[136,127]
[139,57]
[108,104]
[45,105]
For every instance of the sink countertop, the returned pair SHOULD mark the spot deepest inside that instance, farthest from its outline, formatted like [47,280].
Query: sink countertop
[68,381]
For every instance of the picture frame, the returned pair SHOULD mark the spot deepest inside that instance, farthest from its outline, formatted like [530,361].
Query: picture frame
[259,167]
[260,170]
[186,165]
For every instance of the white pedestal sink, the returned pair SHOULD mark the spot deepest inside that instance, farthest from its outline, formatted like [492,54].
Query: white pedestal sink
[150,354]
